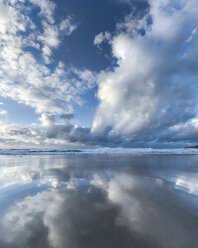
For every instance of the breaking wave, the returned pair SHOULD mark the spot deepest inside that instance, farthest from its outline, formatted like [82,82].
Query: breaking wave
[105,150]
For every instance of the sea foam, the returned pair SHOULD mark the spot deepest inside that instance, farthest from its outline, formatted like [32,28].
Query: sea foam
[105,150]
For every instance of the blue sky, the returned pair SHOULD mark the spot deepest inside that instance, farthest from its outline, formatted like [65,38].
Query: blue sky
[98,73]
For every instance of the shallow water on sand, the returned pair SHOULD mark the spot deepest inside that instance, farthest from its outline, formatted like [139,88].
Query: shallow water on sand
[99,201]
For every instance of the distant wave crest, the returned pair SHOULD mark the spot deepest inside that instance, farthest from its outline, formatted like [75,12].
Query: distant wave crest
[105,150]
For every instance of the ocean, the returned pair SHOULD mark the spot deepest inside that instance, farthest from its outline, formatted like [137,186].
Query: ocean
[99,198]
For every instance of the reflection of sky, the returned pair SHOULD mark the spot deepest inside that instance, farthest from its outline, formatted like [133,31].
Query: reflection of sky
[188,183]
[98,201]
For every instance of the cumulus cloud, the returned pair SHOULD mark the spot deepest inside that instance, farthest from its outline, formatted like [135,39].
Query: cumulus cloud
[54,131]
[153,86]
[47,119]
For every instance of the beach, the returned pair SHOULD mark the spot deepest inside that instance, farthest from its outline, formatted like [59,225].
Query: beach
[98,200]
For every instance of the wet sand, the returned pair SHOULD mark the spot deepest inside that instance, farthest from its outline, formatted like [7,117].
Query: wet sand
[99,201]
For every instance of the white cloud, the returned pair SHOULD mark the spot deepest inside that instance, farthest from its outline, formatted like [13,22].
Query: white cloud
[67,26]
[50,38]
[128,93]
[153,85]
[3,112]
[4,18]
[49,134]
[47,119]
[47,8]
[23,75]
[101,37]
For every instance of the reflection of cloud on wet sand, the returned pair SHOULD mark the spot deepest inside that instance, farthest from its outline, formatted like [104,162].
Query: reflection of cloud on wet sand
[64,219]
[188,184]
[45,209]
[86,205]
[24,170]
[150,210]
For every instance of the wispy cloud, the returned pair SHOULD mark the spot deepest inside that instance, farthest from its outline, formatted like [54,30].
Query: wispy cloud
[3,112]
[101,37]
[25,51]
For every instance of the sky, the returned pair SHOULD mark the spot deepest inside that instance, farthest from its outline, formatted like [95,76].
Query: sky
[109,73]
